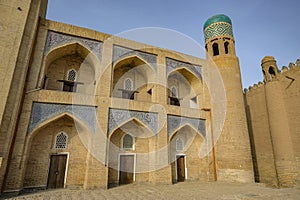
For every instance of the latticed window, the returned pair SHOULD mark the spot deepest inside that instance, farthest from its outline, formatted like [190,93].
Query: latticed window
[71,76]
[179,144]
[61,140]
[127,142]
[128,84]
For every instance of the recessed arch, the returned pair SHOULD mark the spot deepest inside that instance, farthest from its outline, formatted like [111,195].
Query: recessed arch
[69,49]
[54,118]
[188,87]
[186,125]
[69,56]
[132,121]
[136,69]
[43,140]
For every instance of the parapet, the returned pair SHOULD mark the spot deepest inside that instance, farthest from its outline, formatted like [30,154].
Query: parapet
[292,66]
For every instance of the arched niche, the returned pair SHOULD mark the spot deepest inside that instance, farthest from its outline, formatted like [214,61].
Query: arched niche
[139,72]
[63,59]
[188,88]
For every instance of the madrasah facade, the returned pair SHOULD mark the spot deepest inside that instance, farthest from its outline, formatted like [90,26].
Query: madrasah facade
[84,109]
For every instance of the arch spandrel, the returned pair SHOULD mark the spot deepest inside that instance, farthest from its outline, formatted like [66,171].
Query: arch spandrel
[55,40]
[119,117]
[43,112]
[175,123]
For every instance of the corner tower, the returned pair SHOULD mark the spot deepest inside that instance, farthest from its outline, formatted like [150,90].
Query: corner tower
[232,146]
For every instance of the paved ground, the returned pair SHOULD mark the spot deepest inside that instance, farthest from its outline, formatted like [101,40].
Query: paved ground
[180,191]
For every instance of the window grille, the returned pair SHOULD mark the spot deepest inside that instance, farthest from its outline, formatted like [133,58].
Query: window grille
[71,76]
[61,141]
[128,84]
[127,142]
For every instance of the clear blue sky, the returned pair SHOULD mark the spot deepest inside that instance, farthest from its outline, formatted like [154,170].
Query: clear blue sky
[261,27]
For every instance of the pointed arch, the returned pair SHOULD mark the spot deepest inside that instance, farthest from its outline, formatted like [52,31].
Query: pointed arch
[188,87]
[69,49]
[187,73]
[43,124]
[61,59]
[132,121]
[136,69]
[185,125]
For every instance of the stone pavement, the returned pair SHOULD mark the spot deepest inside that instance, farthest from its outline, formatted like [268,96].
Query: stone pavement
[186,190]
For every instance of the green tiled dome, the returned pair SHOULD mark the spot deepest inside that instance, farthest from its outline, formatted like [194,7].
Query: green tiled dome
[217,18]
[217,26]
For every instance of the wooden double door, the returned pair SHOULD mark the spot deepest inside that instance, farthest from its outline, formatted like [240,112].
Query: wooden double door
[57,171]
[180,160]
[126,173]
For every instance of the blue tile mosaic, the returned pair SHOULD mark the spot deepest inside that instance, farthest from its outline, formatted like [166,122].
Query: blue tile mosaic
[119,116]
[174,122]
[55,39]
[42,112]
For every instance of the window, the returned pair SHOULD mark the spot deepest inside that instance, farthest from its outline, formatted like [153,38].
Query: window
[127,142]
[71,75]
[128,84]
[179,144]
[69,85]
[61,140]
[174,100]
[215,49]
[272,72]
[226,44]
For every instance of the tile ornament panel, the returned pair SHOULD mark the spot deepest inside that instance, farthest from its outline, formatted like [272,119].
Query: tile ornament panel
[218,29]
[42,112]
[122,52]
[55,39]
[174,122]
[172,64]
[118,116]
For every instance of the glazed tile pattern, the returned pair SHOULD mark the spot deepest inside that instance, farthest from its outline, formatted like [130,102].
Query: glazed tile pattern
[55,39]
[174,122]
[122,52]
[42,112]
[172,65]
[118,117]
[218,29]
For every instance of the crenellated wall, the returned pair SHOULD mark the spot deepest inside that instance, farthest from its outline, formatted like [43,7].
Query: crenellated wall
[273,119]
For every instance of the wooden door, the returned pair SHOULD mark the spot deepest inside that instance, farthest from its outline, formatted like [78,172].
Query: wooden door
[180,168]
[126,169]
[57,171]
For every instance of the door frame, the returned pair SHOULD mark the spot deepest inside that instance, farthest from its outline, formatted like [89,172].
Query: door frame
[67,165]
[134,163]
[185,167]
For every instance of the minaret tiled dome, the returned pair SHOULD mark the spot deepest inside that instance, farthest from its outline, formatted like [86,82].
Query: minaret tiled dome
[218,25]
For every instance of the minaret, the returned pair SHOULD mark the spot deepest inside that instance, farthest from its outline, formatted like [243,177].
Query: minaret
[232,146]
